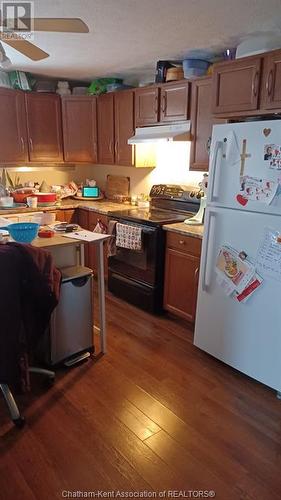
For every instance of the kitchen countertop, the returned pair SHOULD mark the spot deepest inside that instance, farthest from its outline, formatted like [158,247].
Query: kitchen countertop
[185,229]
[102,207]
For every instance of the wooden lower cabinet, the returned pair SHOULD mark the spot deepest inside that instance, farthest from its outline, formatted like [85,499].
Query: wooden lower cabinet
[181,275]
[94,217]
[88,220]
[69,215]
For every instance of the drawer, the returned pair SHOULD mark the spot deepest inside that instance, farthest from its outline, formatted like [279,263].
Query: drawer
[187,244]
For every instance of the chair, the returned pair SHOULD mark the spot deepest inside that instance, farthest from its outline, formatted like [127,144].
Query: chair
[15,415]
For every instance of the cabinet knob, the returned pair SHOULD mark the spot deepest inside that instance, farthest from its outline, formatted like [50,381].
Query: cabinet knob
[181,242]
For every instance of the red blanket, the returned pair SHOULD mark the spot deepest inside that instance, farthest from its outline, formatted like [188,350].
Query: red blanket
[29,291]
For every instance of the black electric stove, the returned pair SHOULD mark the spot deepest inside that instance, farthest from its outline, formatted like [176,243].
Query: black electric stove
[169,204]
[138,277]
[150,215]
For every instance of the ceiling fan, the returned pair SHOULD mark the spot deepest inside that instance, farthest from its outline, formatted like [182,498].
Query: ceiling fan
[59,25]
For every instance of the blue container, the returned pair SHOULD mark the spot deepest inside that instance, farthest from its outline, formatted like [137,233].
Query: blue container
[195,67]
[23,232]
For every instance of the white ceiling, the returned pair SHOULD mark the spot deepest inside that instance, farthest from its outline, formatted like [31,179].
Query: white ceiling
[128,36]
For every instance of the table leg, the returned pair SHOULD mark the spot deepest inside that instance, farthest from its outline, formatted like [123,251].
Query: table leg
[101,291]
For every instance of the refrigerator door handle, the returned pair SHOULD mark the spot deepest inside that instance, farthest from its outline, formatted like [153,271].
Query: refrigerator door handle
[215,169]
[209,238]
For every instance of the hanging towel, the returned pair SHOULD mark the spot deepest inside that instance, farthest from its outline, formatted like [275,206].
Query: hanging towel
[111,247]
[128,237]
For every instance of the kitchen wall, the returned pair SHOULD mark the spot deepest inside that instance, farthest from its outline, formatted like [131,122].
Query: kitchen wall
[54,176]
[172,167]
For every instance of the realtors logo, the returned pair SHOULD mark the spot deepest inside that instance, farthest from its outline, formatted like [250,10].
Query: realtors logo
[17,20]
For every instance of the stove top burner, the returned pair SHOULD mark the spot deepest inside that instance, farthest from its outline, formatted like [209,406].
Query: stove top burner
[152,215]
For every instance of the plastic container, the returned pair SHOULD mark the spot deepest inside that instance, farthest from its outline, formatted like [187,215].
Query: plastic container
[257,45]
[6,202]
[113,87]
[195,67]
[23,232]
[4,80]
[79,90]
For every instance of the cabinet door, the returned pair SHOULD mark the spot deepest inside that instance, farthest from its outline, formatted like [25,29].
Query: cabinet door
[181,281]
[44,126]
[13,139]
[202,122]
[271,84]
[174,102]
[105,108]
[79,128]
[124,127]
[236,85]
[146,106]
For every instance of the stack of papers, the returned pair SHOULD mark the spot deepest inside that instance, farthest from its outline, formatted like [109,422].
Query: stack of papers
[237,276]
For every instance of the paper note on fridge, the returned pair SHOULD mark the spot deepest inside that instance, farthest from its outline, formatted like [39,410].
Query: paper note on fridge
[232,152]
[268,262]
[232,269]
[260,190]
[252,286]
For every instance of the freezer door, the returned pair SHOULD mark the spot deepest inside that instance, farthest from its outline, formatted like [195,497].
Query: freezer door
[246,336]
[244,149]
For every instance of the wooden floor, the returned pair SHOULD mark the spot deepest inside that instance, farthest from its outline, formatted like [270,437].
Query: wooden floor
[154,414]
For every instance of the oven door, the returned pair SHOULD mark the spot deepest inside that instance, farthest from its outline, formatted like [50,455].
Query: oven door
[144,265]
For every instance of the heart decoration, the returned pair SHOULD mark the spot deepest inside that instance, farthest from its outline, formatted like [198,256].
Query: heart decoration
[266,131]
[243,201]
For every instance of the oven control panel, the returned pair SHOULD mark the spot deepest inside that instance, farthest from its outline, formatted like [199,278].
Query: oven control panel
[174,191]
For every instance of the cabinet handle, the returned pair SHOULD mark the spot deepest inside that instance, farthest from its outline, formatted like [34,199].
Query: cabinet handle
[164,103]
[116,147]
[255,84]
[208,144]
[95,148]
[31,143]
[181,242]
[156,104]
[269,83]
[22,144]
[110,147]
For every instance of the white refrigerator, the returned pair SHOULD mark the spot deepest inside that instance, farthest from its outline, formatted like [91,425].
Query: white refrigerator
[243,214]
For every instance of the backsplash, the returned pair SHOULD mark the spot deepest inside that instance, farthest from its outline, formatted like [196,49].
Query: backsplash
[172,167]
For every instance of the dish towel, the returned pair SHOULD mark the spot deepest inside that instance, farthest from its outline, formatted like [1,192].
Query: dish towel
[128,237]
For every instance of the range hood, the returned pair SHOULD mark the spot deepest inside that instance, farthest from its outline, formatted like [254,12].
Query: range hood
[175,132]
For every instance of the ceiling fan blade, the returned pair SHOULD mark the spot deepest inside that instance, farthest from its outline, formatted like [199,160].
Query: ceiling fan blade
[62,25]
[26,48]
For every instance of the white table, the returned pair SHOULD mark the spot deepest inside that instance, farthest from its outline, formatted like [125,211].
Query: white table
[58,245]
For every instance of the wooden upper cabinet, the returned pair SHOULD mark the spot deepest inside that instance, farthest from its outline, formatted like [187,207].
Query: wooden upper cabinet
[201,123]
[174,102]
[271,82]
[105,115]
[44,127]
[124,127]
[80,128]
[236,85]
[146,106]
[13,139]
